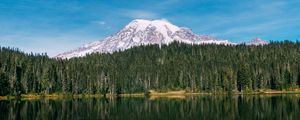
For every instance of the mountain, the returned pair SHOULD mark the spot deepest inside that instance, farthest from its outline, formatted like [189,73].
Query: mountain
[257,41]
[143,32]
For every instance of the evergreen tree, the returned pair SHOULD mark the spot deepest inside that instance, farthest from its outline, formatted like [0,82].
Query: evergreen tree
[243,78]
[18,86]
[4,84]
[177,66]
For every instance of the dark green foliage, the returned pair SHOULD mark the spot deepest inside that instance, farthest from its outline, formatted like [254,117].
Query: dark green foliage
[210,68]
[243,78]
[4,84]
[298,79]
[17,84]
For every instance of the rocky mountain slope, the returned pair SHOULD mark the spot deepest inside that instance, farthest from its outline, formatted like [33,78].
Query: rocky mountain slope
[144,32]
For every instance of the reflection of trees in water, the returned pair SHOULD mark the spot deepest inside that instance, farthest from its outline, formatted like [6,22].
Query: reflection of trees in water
[201,107]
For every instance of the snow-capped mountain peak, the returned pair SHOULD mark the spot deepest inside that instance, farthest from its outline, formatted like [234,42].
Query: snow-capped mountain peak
[257,41]
[162,25]
[143,32]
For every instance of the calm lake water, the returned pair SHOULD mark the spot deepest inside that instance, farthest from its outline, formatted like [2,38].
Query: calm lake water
[281,107]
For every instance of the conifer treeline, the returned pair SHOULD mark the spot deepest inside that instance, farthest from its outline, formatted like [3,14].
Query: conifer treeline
[195,68]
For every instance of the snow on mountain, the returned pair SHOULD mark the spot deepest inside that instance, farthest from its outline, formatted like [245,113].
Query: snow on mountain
[257,41]
[143,32]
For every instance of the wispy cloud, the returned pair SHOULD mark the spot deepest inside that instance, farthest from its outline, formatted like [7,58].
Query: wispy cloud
[45,43]
[139,14]
[99,22]
[244,20]
[38,26]
[268,26]
[104,25]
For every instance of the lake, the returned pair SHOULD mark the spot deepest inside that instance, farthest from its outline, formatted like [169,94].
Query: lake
[206,107]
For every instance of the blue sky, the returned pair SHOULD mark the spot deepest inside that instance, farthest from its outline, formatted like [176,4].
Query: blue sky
[54,26]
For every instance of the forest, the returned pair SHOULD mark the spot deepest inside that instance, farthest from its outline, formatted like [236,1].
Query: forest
[177,66]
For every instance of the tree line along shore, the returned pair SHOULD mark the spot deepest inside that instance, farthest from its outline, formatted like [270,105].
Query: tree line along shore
[241,69]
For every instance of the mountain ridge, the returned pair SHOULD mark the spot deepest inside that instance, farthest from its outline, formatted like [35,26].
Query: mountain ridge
[144,32]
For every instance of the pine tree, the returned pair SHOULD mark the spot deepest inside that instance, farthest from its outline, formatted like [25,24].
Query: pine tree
[166,67]
[4,84]
[298,79]
[18,86]
[288,79]
[243,78]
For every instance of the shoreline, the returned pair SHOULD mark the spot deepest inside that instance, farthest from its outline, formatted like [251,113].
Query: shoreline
[151,94]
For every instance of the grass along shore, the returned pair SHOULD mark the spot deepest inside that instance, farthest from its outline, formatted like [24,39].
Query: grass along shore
[63,96]
[152,93]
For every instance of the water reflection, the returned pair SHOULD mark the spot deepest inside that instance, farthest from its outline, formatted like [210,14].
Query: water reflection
[197,107]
